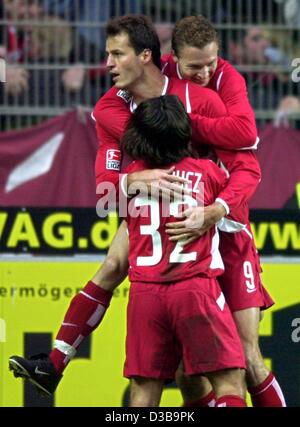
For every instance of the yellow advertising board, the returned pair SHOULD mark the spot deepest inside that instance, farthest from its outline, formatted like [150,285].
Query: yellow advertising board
[34,296]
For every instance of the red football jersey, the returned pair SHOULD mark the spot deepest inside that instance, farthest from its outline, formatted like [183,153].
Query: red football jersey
[152,256]
[113,110]
[237,129]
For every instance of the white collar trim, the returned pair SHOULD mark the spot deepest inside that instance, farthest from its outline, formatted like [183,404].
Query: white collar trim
[133,105]
[165,86]
[178,71]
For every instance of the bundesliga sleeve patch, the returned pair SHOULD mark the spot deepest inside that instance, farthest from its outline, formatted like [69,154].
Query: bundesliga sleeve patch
[113,159]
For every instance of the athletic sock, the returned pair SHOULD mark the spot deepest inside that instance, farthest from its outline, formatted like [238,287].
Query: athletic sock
[207,401]
[267,394]
[84,314]
[231,401]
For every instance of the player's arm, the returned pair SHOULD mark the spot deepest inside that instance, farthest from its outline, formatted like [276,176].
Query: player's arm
[244,177]
[110,180]
[242,165]
[195,221]
[108,159]
[111,120]
[235,130]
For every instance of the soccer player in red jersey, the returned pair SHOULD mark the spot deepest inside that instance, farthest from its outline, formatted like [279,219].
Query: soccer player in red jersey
[133,59]
[174,295]
[195,57]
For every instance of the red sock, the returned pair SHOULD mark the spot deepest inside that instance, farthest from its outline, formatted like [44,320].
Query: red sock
[231,401]
[267,394]
[83,316]
[207,401]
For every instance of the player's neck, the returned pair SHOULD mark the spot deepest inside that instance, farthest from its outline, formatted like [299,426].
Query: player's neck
[149,86]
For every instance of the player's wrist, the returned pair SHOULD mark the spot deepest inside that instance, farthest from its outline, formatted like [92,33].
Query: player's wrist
[218,211]
[220,202]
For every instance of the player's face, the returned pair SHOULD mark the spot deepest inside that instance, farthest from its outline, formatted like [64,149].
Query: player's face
[197,64]
[123,64]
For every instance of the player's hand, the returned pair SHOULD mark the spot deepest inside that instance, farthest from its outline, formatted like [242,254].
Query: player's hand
[195,222]
[157,182]
[188,228]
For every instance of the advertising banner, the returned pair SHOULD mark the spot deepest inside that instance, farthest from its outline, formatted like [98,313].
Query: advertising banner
[34,296]
[81,231]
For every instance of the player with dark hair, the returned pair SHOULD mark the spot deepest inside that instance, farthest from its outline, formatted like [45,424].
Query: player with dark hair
[139,36]
[160,138]
[175,300]
[135,70]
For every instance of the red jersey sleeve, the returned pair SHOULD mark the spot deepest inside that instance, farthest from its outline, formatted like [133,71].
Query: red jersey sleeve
[237,129]
[244,178]
[242,165]
[111,114]
[216,179]
[108,159]
[204,102]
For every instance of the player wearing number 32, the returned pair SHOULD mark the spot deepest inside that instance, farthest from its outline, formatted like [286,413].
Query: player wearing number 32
[176,309]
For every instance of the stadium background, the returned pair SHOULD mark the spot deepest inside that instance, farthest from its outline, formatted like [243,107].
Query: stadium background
[52,241]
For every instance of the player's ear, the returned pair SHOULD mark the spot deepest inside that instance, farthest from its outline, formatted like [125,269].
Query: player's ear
[146,56]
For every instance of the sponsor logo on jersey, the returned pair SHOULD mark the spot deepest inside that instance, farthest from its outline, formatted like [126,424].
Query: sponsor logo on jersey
[113,159]
[124,95]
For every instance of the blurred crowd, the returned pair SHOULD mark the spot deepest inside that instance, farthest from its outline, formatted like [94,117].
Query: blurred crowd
[56,54]
[47,55]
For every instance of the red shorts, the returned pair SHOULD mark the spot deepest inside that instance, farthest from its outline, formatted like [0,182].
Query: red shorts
[241,282]
[187,320]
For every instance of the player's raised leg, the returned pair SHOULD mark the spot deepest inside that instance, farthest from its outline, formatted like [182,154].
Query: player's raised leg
[84,315]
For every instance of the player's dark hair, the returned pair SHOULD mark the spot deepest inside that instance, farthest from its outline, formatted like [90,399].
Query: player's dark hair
[158,132]
[141,33]
[194,31]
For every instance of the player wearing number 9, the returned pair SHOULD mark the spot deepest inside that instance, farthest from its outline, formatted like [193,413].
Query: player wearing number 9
[176,309]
